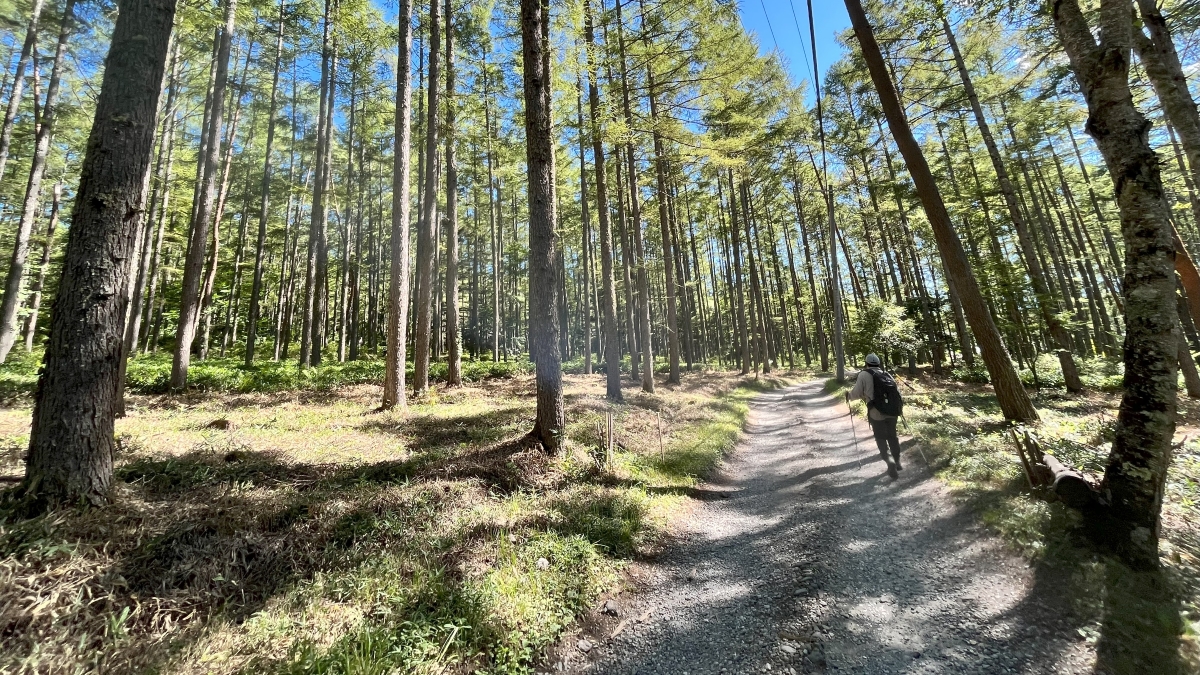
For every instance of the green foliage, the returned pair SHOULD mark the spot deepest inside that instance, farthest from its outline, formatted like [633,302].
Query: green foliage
[18,374]
[881,327]
[152,374]
[974,374]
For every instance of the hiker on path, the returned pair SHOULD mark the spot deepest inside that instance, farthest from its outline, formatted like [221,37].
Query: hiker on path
[878,390]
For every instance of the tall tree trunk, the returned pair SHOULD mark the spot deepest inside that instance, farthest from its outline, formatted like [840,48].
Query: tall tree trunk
[71,441]
[256,290]
[1135,478]
[494,201]
[398,278]
[608,297]
[14,284]
[635,221]
[1162,65]
[1036,276]
[1014,400]
[739,286]
[664,223]
[312,326]
[158,203]
[586,222]
[14,99]
[193,268]
[543,239]
[453,331]
[427,223]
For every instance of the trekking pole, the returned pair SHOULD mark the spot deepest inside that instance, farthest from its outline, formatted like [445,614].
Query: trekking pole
[918,443]
[850,414]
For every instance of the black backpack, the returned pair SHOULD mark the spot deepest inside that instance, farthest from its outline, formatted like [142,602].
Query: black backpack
[887,395]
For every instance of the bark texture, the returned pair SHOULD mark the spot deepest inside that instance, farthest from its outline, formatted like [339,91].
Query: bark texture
[397,316]
[543,237]
[1135,476]
[71,441]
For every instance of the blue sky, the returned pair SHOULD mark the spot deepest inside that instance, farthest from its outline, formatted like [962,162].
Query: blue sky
[830,19]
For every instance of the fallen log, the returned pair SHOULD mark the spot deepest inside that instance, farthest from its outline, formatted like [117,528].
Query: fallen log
[1070,485]
[1041,469]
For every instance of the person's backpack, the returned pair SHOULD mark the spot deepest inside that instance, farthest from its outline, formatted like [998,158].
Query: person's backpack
[887,394]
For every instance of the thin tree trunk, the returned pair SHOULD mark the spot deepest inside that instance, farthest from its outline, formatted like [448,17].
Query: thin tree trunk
[193,269]
[14,99]
[453,331]
[608,299]
[427,223]
[635,223]
[159,200]
[660,172]
[256,290]
[35,301]
[1036,275]
[14,284]
[397,281]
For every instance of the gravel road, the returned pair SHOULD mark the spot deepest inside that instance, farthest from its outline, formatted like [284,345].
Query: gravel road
[805,557]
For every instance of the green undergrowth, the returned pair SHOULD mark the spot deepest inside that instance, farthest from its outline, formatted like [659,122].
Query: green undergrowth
[453,549]
[151,374]
[1138,622]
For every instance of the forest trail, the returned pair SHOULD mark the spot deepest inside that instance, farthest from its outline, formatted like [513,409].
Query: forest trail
[805,557]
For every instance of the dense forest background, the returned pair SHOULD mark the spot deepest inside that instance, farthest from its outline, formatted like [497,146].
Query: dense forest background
[716,185]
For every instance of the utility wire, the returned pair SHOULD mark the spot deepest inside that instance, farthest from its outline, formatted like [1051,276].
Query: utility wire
[800,34]
[769,26]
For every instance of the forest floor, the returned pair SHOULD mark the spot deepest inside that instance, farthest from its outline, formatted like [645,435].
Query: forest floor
[298,531]
[805,557]
[302,532]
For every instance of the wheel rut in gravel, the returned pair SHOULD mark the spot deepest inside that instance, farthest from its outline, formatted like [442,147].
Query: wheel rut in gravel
[811,559]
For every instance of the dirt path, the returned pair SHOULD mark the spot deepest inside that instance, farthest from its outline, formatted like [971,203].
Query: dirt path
[806,557]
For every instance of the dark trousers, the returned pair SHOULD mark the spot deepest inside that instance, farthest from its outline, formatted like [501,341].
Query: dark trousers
[885,437]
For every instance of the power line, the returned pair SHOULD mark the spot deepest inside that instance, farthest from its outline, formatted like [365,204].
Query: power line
[769,26]
[800,34]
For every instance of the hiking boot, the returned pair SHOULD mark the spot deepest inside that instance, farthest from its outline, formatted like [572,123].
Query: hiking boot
[897,465]
[892,471]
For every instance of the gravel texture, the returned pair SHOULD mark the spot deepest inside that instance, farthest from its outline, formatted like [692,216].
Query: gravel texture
[804,556]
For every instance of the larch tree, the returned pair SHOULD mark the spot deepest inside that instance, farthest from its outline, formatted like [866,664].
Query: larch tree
[608,293]
[15,283]
[550,419]
[427,246]
[256,292]
[1011,394]
[453,333]
[398,278]
[71,441]
[205,203]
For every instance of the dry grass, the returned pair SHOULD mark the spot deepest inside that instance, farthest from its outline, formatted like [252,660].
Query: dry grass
[302,532]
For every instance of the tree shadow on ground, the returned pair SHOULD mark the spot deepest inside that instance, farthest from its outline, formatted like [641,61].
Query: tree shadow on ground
[1133,618]
[217,534]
